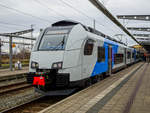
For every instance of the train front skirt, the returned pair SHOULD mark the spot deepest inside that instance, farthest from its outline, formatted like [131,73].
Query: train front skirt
[63,92]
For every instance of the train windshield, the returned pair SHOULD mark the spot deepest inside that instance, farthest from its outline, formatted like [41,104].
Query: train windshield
[53,40]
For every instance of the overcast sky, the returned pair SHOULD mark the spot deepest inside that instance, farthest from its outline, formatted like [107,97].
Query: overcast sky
[18,15]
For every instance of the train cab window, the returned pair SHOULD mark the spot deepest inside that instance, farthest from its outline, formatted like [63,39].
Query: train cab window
[101,54]
[88,48]
[118,58]
[53,40]
[128,55]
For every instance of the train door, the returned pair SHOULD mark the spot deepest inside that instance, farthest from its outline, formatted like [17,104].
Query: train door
[125,56]
[109,59]
[88,58]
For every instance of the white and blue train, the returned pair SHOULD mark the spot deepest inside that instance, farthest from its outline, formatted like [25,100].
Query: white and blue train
[69,54]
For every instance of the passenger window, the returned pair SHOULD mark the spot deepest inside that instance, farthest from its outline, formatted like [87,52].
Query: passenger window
[133,55]
[128,55]
[88,48]
[138,55]
[118,58]
[101,54]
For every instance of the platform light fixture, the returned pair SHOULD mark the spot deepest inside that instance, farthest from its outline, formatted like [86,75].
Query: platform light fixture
[135,17]
[147,18]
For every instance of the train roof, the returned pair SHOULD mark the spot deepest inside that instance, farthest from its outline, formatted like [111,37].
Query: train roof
[64,23]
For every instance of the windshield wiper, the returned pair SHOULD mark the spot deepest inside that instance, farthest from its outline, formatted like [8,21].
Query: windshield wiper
[61,43]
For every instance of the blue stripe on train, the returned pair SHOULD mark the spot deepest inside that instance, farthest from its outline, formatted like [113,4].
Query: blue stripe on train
[101,67]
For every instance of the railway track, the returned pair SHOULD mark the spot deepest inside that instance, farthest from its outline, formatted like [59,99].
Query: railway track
[32,102]
[15,107]
[12,80]
[13,87]
[35,105]
[16,94]
[17,97]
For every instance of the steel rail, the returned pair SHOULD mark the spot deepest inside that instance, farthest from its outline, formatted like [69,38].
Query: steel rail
[27,102]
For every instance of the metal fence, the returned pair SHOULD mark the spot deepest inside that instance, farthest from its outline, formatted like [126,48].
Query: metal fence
[15,50]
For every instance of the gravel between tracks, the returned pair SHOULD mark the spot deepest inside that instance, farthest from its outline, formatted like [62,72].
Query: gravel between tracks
[17,97]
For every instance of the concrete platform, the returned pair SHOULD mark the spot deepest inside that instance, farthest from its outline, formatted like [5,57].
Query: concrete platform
[127,91]
[7,72]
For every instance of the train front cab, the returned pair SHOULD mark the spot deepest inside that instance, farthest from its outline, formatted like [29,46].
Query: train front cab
[59,66]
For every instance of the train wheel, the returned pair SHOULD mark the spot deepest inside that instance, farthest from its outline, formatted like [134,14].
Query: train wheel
[88,82]
[98,78]
[85,83]
[94,79]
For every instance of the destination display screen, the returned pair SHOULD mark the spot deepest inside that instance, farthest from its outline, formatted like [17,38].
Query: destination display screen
[57,32]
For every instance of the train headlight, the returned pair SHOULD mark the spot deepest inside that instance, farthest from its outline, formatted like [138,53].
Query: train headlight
[34,65]
[57,65]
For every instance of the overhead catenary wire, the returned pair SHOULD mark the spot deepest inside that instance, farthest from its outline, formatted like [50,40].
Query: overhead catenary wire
[53,10]
[13,28]
[12,24]
[99,23]
[24,13]
[102,8]
[75,9]
[79,11]
[8,29]
[82,13]
[50,9]
[5,28]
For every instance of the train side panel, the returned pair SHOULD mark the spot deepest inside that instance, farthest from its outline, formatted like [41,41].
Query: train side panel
[72,55]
